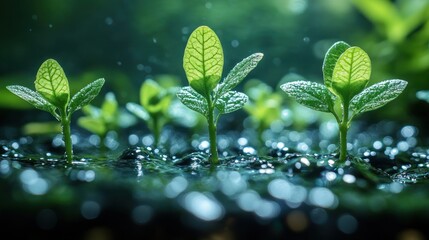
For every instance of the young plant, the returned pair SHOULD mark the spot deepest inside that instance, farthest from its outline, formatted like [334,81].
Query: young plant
[102,120]
[346,72]
[53,95]
[155,102]
[264,107]
[203,64]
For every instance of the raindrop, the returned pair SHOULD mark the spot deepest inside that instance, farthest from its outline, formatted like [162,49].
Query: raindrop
[175,187]
[90,210]
[108,21]
[347,224]
[322,197]
[235,43]
[140,67]
[202,206]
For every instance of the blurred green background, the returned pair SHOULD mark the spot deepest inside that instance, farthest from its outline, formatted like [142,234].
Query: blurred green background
[128,41]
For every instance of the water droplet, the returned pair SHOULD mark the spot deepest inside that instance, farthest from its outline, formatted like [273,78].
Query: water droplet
[306,39]
[108,21]
[347,224]
[90,209]
[235,43]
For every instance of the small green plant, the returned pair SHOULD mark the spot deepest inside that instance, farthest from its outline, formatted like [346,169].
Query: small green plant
[53,95]
[108,117]
[346,72]
[155,102]
[264,107]
[203,64]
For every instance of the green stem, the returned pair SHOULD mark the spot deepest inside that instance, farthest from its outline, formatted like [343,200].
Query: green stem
[156,130]
[102,144]
[214,158]
[343,133]
[65,124]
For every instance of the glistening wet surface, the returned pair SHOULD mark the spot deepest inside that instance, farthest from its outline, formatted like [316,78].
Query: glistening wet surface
[287,192]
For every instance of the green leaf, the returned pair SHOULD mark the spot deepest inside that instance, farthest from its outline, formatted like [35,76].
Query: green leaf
[377,95]
[238,73]
[152,96]
[331,58]
[34,98]
[109,108]
[193,100]
[231,101]
[92,124]
[85,95]
[203,60]
[138,110]
[351,73]
[310,94]
[52,83]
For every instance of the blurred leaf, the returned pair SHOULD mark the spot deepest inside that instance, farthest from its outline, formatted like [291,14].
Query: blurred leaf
[41,128]
[93,125]
[138,110]
[109,108]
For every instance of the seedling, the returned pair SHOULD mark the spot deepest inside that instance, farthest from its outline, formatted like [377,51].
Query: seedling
[264,106]
[101,121]
[203,64]
[346,72]
[53,95]
[155,102]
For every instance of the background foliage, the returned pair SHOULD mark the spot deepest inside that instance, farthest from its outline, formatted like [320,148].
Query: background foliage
[128,41]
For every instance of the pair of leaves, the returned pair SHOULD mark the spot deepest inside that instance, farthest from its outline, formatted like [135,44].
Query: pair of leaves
[318,97]
[346,72]
[53,90]
[225,100]
[203,65]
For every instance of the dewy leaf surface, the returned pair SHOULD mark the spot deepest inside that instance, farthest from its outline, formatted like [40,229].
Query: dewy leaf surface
[193,100]
[85,95]
[310,94]
[32,97]
[331,57]
[238,73]
[203,60]
[351,73]
[377,95]
[52,83]
[231,101]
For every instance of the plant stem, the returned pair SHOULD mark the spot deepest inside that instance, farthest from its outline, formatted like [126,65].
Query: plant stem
[214,158]
[156,130]
[65,124]
[343,133]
